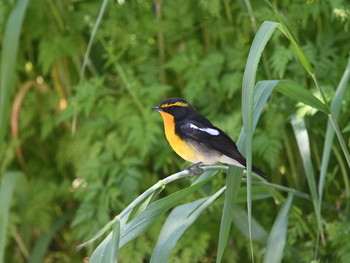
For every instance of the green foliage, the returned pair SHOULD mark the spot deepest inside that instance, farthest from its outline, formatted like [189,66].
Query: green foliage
[339,238]
[91,144]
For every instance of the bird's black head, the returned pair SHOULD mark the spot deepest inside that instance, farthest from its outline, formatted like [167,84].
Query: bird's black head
[177,107]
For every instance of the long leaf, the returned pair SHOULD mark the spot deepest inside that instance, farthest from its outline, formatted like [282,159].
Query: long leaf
[263,91]
[302,138]
[8,62]
[177,223]
[335,109]
[41,246]
[107,251]
[294,91]
[154,211]
[240,219]
[278,234]
[288,33]
[143,220]
[9,180]
[233,183]
[260,40]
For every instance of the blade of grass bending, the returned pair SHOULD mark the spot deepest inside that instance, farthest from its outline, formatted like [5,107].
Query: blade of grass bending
[124,215]
[278,234]
[287,32]
[9,180]
[263,91]
[107,251]
[302,139]
[41,246]
[260,40]
[179,220]
[335,109]
[142,221]
[143,205]
[8,62]
[139,223]
[294,91]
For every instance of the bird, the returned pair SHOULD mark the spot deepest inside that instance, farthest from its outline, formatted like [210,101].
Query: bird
[194,138]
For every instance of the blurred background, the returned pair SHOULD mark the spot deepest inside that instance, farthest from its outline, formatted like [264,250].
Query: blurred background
[86,142]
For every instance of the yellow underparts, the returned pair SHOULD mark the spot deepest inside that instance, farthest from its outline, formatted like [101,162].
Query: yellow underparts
[185,150]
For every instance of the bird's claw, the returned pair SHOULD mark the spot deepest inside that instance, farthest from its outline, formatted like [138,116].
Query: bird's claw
[194,170]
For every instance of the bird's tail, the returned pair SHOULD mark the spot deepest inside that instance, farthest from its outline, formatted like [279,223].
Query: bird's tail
[259,172]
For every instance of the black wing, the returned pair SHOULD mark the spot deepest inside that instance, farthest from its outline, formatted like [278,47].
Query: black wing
[201,130]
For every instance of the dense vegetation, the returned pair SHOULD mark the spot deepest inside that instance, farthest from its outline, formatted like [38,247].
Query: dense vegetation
[78,141]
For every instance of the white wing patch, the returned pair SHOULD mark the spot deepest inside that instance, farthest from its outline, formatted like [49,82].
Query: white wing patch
[207,130]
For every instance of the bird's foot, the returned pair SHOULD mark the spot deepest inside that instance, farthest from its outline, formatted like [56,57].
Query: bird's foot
[194,170]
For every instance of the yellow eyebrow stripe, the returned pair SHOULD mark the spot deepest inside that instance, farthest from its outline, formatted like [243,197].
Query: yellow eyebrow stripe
[179,103]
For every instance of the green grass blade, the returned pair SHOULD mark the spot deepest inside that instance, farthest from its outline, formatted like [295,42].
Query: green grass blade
[8,183]
[340,139]
[141,222]
[143,205]
[41,246]
[294,91]
[181,218]
[263,91]
[233,183]
[335,109]
[115,243]
[8,62]
[287,32]
[107,251]
[260,40]
[278,234]
[304,149]
[240,219]
[169,234]
[92,38]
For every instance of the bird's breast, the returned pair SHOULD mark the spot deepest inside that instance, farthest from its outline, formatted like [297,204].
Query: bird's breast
[182,147]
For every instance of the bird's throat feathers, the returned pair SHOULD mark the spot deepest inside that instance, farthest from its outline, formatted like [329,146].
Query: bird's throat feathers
[169,123]
[185,150]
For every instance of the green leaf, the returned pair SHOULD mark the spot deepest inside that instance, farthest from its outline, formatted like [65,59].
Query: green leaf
[335,109]
[287,32]
[142,221]
[295,91]
[179,220]
[9,180]
[240,219]
[278,234]
[302,138]
[10,44]
[143,205]
[107,251]
[263,91]
[43,243]
[233,184]
[260,40]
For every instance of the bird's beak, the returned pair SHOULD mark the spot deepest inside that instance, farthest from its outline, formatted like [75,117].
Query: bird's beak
[157,108]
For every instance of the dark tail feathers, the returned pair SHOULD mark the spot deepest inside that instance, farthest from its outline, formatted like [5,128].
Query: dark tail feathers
[259,172]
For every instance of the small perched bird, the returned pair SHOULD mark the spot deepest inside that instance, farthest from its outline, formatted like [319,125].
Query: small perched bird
[195,138]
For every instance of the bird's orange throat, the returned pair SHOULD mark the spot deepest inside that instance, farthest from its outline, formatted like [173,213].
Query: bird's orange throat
[168,120]
[169,128]
[186,151]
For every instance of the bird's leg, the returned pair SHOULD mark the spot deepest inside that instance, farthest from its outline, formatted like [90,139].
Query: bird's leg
[194,169]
